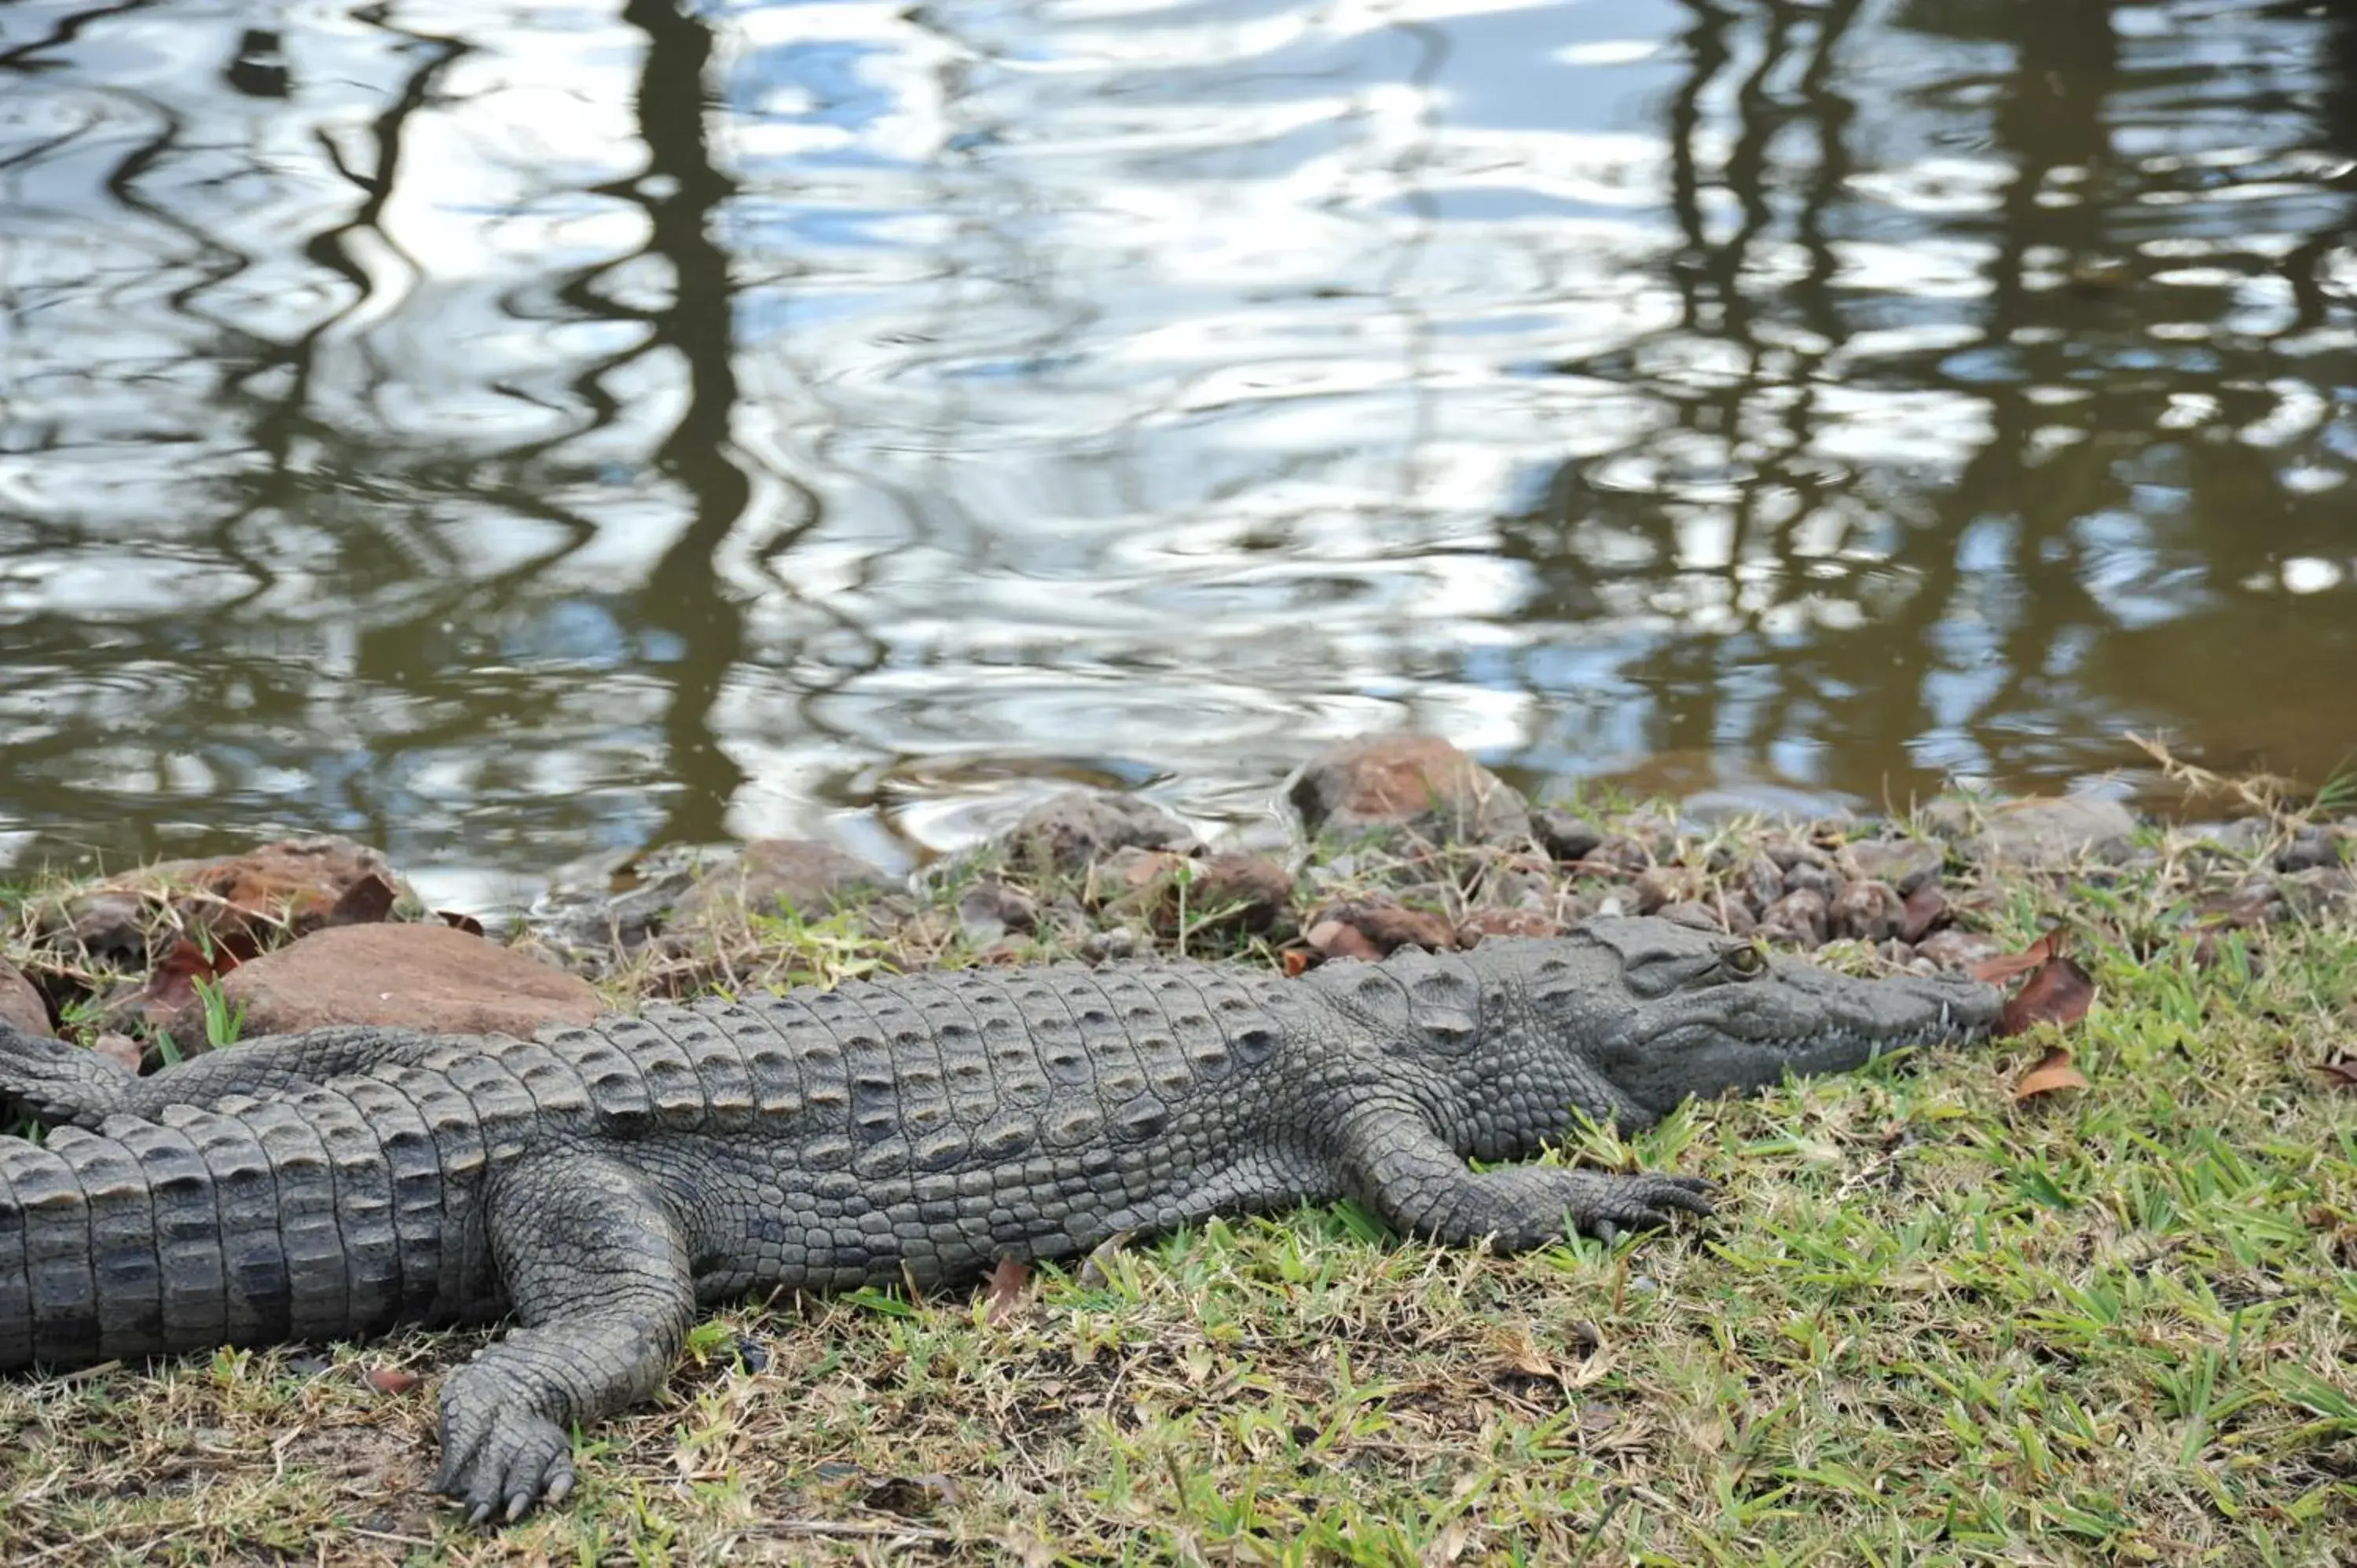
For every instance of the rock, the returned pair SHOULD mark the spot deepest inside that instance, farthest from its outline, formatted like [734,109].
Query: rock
[1799,917]
[602,910]
[1254,891]
[1787,853]
[1482,923]
[1620,852]
[21,1007]
[426,976]
[988,911]
[1763,883]
[1563,835]
[2321,892]
[1927,908]
[2310,848]
[1068,832]
[1905,864]
[292,887]
[1412,784]
[124,1050]
[2243,837]
[1113,946]
[1380,925]
[1714,914]
[1813,876]
[2052,832]
[803,875]
[1663,885]
[1958,950]
[1867,912]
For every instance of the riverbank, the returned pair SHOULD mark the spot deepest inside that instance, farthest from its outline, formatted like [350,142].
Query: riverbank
[1951,1309]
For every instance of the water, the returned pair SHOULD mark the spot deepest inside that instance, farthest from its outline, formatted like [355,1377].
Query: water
[505,433]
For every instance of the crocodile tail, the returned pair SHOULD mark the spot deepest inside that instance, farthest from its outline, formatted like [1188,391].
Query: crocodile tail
[197,1229]
[60,1083]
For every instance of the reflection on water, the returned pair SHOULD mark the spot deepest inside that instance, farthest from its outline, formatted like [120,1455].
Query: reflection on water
[508,431]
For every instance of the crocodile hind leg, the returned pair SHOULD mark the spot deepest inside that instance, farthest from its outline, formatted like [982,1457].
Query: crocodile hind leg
[1396,1163]
[60,1083]
[598,1272]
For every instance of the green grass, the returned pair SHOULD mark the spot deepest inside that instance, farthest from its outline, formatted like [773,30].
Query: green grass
[1930,1326]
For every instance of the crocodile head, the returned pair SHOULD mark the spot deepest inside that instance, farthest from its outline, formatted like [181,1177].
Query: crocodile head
[1663,1011]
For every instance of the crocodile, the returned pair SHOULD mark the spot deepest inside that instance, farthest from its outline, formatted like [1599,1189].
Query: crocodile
[597,1184]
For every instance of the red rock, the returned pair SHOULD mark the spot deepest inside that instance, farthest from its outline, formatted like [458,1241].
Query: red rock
[21,1007]
[292,887]
[1380,925]
[417,976]
[799,874]
[1798,917]
[1411,783]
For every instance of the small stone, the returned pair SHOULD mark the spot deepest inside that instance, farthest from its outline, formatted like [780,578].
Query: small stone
[1622,853]
[1419,785]
[2242,838]
[1787,853]
[1663,885]
[1798,917]
[2053,834]
[988,911]
[2324,890]
[1927,908]
[1563,835]
[1112,946]
[21,1007]
[1484,923]
[1256,887]
[773,873]
[1895,953]
[1763,883]
[1952,948]
[1713,915]
[1905,864]
[1068,832]
[1383,926]
[1808,876]
[2310,848]
[292,886]
[600,910]
[1867,912]
[121,1049]
[426,976]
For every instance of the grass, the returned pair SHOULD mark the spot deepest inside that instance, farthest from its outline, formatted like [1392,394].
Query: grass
[1933,1324]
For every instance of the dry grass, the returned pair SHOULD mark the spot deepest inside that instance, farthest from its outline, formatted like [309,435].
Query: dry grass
[1932,1325]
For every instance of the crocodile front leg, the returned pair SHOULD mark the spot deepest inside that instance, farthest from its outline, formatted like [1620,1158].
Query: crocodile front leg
[1396,1165]
[599,1273]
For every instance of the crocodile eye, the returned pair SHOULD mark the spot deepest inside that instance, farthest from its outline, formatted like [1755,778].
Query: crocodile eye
[1744,962]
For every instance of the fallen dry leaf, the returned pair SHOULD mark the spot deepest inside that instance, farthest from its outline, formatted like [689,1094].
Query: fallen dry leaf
[1295,961]
[1009,1289]
[2060,993]
[2053,1074]
[1997,971]
[2341,1075]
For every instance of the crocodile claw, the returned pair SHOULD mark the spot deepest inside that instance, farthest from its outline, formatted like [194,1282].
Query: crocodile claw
[499,1459]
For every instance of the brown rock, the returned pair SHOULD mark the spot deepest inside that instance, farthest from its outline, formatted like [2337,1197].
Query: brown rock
[2326,890]
[293,884]
[1258,889]
[1867,912]
[1068,832]
[1763,883]
[1381,925]
[417,976]
[1905,864]
[1620,852]
[798,873]
[21,1007]
[1661,886]
[1813,876]
[1959,950]
[1927,908]
[988,911]
[1799,917]
[1414,784]
[1484,923]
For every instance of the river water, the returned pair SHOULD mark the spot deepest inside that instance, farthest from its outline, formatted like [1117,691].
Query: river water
[509,432]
